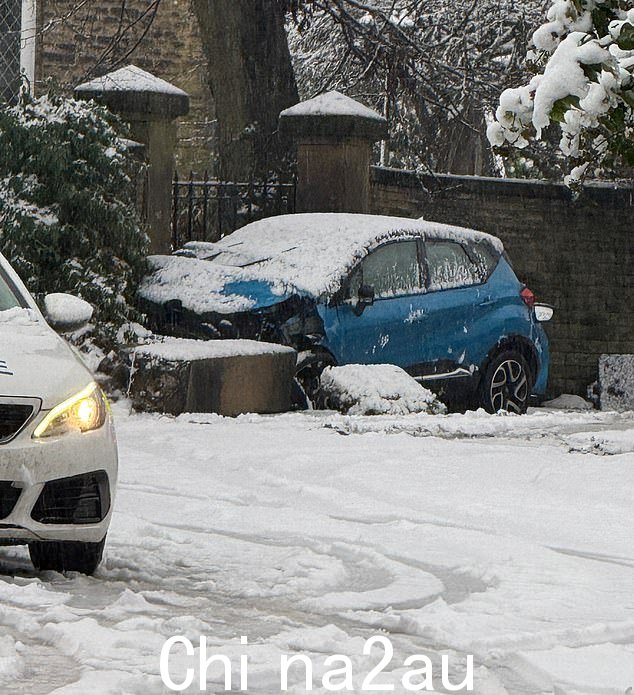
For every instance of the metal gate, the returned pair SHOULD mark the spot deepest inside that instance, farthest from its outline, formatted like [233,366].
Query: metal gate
[207,209]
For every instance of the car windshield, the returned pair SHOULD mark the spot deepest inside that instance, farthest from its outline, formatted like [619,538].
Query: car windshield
[234,257]
[237,259]
[8,296]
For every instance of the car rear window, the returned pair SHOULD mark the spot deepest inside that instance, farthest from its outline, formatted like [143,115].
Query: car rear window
[485,256]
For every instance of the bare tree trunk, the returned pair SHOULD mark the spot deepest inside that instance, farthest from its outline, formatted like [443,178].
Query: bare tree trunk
[463,150]
[252,80]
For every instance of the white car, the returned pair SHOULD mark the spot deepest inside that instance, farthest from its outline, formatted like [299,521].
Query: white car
[58,451]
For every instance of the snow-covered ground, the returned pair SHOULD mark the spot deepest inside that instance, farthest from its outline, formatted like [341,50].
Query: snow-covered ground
[508,538]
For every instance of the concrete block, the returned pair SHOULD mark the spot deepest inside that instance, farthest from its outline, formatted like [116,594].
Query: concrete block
[228,377]
[616,382]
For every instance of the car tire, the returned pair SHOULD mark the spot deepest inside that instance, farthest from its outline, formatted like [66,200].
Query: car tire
[66,556]
[507,384]
[306,384]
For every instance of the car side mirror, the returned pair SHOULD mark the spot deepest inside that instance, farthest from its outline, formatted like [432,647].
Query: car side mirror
[65,313]
[365,297]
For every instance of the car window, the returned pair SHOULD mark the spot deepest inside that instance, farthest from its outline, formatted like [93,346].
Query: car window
[485,257]
[391,270]
[8,299]
[449,266]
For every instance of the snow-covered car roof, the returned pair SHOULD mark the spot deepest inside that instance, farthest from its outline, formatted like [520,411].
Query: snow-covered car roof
[306,254]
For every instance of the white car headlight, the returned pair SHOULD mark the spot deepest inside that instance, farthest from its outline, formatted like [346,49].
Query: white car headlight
[82,412]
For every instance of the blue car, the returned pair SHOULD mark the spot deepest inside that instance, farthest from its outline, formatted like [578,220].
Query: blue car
[440,301]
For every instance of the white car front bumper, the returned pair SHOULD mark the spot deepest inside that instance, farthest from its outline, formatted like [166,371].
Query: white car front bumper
[78,509]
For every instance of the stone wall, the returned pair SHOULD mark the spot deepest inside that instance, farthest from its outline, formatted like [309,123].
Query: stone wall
[71,44]
[575,255]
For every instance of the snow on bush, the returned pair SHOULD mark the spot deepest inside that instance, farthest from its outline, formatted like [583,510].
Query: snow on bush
[376,389]
[68,222]
[584,57]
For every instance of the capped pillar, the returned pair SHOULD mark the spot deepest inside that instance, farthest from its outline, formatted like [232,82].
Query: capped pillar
[151,106]
[334,135]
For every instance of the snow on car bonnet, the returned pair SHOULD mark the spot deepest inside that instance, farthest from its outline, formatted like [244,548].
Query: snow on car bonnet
[305,254]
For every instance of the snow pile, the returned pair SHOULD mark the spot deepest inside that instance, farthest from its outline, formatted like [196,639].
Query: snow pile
[568,401]
[187,350]
[307,254]
[604,443]
[376,389]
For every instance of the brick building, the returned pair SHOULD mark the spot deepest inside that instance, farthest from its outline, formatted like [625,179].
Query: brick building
[70,41]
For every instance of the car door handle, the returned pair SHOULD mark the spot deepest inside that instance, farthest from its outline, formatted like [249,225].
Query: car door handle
[487,302]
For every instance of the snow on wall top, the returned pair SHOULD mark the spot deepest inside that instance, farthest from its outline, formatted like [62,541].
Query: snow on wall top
[307,254]
[130,79]
[332,104]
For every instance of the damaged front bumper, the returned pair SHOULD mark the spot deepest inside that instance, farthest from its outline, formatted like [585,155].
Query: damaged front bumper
[294,322]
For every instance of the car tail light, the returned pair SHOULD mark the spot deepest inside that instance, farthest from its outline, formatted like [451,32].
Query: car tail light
[528,297]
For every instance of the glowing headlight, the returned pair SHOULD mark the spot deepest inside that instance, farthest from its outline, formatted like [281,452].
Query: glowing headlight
[82,412]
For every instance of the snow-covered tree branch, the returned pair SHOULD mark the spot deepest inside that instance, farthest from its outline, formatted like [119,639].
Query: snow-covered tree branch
[434,67]
[584,86]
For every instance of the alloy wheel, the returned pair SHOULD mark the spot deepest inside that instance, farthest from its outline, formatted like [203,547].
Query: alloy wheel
[509,387]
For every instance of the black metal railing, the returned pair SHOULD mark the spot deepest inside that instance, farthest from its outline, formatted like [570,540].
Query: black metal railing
[207,209]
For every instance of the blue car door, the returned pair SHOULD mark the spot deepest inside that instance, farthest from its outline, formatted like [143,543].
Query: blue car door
[382,331]
[446,319]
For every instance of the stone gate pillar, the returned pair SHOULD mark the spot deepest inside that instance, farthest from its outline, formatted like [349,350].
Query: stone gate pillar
[334,136]
[150,105]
